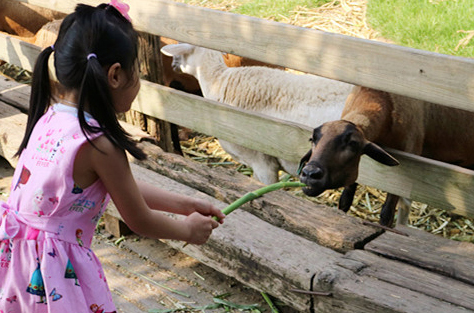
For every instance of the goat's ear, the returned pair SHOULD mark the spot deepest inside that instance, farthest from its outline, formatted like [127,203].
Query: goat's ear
[177,49]
[303,161]
[379,154]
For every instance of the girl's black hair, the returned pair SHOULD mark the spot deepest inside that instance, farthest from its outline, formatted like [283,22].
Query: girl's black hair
[100,30]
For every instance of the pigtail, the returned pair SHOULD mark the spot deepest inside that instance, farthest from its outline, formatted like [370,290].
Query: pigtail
[89,41]
[40,96]
[94,90]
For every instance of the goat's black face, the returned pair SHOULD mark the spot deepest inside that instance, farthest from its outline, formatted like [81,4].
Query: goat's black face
[333,160]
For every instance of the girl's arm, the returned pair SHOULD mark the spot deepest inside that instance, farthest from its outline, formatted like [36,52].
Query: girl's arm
[110,164]
[163,200]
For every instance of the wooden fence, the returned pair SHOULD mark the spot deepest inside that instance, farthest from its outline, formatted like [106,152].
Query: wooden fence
[363,272]
[419,74]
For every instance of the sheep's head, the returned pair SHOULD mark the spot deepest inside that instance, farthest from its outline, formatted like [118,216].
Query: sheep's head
[333,160]
[181,54]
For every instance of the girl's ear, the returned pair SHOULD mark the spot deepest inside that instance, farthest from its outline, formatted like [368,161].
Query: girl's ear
[115,75]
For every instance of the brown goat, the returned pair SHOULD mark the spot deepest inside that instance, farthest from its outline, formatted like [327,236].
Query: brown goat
[371,118]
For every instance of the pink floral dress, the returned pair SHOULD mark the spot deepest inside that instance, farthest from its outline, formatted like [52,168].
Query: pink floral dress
[47,225]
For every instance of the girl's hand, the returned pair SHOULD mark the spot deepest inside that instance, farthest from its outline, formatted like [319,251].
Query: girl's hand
[200,227]
[207,209]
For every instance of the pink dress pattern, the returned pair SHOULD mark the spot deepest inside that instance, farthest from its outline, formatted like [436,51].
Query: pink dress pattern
[47,226]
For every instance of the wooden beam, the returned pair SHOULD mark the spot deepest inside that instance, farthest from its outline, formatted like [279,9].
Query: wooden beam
[274,260]
[18,52]
[436,183]
[421,179]
[326,226]
[253,251]
[447,257]
[415,278]
[227,122]
[429,76]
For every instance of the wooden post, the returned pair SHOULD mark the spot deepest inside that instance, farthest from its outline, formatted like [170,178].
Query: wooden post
[151,69]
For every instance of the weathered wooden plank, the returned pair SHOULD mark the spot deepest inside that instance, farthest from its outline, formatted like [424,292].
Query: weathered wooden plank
[367,294]
[12,128]
[131,292]
[326,226]
[245,241]
[436,183]
[200,281]
[425,250]
[439,184]
[14,94]
[244,248]
[412,278]
[415,73]
[138,282]
[227,122]
[18,52]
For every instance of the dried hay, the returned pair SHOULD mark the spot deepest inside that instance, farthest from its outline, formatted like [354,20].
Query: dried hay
[464,41]
[16,73]
[342,17]
[339,16]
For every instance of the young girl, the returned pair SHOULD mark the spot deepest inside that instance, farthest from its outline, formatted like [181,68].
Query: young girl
[71,159]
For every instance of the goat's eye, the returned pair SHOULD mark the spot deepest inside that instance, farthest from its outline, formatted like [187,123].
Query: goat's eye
[314,140]
[353,144]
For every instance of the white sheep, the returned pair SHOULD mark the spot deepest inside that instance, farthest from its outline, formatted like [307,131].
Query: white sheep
[305,99]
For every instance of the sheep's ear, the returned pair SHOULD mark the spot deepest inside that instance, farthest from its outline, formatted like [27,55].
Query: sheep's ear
[379,154]
[177,49]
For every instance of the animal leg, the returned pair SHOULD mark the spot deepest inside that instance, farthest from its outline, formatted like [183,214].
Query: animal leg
[265,167]
[388,210]
[347,196]
[404,207]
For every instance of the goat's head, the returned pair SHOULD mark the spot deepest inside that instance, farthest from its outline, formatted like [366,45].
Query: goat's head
[333,160]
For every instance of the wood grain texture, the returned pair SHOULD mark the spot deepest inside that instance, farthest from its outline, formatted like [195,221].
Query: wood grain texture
[413,278]
[415,73]
[326,226]
[18,52]
[448,257]
[251,250]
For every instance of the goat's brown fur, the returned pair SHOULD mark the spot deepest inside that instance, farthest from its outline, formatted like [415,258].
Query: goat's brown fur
[371,116]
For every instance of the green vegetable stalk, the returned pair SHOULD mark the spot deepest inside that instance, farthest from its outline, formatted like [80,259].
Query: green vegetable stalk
[258,193]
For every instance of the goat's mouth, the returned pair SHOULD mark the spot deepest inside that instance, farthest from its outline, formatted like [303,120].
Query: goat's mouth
[313,191]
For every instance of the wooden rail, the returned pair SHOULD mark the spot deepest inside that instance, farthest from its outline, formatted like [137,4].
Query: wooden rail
[415,73]
[419,74]
[341,256]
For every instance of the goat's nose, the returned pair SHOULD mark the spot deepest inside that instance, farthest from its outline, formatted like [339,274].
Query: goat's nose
[312,172]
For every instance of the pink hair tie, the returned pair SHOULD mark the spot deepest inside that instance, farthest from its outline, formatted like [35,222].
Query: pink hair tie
[91,55]
[122,8]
